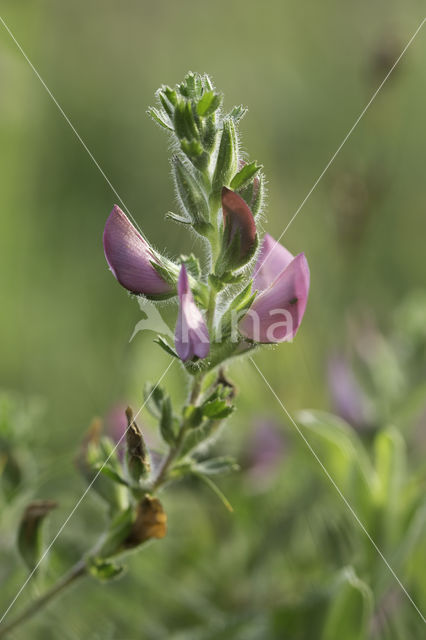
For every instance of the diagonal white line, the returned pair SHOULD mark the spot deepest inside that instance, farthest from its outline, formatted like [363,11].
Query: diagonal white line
[77,504]
[78,136]
[341,145]
[345,500]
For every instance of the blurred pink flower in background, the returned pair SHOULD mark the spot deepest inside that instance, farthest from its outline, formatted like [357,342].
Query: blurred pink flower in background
[349,400]
[116,425]
[265,452]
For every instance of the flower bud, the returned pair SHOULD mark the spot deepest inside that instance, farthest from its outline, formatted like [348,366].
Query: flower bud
[191,335]
[192,195]
[239,241]
[137,455]
[283,281]
[133,262]
[227,157]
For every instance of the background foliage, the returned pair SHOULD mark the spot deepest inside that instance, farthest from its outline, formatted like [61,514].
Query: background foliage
[291,561]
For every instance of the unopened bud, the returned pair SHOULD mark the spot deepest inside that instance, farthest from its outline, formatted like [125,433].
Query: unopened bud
[227,157]
[137,455]
[192,195]
[239,241]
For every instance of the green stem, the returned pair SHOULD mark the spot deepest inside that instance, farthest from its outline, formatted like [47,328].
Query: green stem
[211,310]
[78,571]
[175,449]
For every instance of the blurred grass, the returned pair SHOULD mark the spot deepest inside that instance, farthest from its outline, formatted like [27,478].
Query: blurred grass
[305,70]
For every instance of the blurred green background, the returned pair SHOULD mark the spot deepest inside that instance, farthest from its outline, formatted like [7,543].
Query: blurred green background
[305,70]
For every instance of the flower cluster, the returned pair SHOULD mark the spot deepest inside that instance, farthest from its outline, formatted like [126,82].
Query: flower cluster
[250,291]
[249,294]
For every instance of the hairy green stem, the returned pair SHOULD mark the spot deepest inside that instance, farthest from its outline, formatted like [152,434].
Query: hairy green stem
[80,568]
[78,571]
[175,449]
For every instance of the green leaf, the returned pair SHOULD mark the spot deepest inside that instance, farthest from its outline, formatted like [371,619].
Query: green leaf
[166,274]
[253,192]
[351,608]
[237,113]
[342,453]
[30,542]
[94,451]
[230,278]
[193,416]
[112,474]
[170,94]
[258,196]
[191,193]
[160,118]
[117,532]
[411,407]
[226,163]
[154,396]
[390,462]
[240,304]
[244,299]
[192,148]
[209,133]
[104,570]
[244,175]
[223,391]
[160,407]
[181,469]
[177,218]
[166,347]
[195,437]
[208,104]
[192,265]
[224,500]
[216,282]
[184,121]
[216,466]
[217,409]
[190,84]
[166,104]
[167,423]
[200,292]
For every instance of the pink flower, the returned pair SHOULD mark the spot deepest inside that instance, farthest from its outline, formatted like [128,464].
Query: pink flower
[283,282]
[130,258]
[191,335]
[266,449]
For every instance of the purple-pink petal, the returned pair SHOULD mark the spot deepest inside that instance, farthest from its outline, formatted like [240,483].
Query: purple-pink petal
[277,311]
[273,258]
[129,257]
[191,335]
